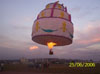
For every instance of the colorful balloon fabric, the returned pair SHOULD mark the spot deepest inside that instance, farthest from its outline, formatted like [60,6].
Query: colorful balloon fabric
[53,24]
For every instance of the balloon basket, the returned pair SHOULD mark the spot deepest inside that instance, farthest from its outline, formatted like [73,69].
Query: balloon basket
[50,52]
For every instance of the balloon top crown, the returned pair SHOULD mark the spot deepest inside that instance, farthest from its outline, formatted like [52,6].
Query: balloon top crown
[50,11]
[56,5]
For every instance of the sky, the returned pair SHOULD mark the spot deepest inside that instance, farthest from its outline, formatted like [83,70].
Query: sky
[17,18]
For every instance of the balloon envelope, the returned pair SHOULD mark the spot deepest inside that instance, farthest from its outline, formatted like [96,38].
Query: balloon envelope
[53,24]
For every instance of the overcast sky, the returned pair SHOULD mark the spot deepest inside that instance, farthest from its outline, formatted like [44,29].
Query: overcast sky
[16,20]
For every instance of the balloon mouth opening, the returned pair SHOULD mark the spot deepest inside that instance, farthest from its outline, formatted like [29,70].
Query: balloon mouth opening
[51,44]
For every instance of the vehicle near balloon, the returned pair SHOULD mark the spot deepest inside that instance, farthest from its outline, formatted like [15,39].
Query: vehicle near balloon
[53,26]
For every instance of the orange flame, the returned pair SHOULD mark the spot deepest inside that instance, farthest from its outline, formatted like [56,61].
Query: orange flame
[51,44]
[33,47]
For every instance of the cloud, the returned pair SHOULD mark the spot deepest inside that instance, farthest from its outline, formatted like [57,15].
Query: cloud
[90,34]
[95,40]
[33,48]
[95,46]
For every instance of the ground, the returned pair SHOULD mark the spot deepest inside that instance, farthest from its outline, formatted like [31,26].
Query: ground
[53,69]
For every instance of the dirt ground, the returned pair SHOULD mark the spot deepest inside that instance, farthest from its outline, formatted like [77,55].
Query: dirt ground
[24,73]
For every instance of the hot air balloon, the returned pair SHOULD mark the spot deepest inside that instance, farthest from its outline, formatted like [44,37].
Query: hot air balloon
[53,26]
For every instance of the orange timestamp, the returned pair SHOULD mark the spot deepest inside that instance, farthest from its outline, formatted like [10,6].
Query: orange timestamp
[81,64]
